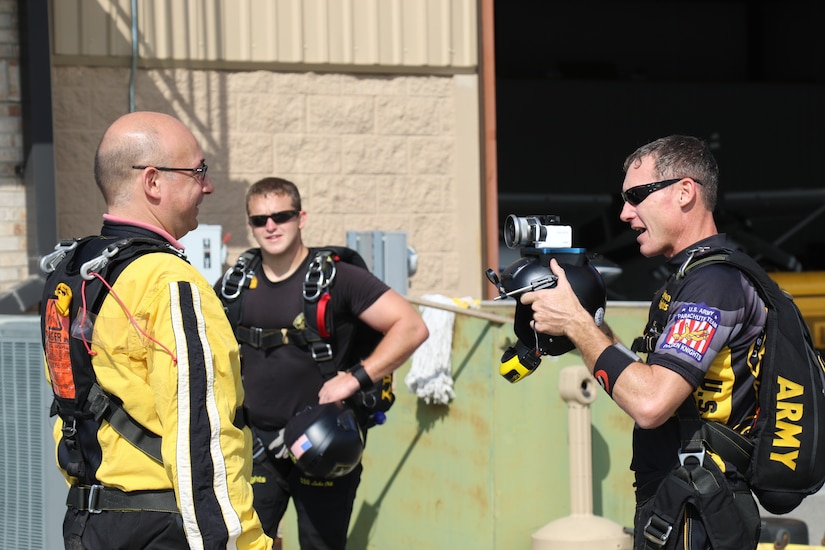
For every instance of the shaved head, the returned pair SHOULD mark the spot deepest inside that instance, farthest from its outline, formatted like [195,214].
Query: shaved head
[150,168]
[134,139]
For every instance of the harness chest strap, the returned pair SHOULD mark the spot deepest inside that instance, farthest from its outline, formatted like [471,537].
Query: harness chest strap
[317,333]
[102,406]
[263,338]
[317,280]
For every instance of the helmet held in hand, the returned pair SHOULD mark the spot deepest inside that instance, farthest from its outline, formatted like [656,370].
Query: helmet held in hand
[325,441]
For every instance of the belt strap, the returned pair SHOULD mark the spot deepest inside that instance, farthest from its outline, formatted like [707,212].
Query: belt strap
[96,498]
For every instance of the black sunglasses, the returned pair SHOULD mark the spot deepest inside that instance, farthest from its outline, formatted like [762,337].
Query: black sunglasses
[199,172]
[277,217]
[635,195]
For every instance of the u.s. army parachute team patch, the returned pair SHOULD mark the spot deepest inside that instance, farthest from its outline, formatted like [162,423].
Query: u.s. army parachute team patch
[692,331]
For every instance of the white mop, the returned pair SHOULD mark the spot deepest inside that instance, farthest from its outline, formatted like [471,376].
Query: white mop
[430,375]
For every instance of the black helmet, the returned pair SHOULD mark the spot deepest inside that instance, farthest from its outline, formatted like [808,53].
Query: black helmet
[325,441]
[532,272]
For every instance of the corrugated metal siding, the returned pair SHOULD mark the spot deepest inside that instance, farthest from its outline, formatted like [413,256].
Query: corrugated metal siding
[391,33]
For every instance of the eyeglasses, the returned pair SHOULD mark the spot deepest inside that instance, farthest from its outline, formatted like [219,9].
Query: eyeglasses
[199,173]
[635,195]
[277,217]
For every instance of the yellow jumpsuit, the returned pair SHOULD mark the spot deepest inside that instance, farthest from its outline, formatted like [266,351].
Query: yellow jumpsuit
[169,354]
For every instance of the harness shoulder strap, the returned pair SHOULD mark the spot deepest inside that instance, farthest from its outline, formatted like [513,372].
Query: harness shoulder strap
[103,405]
[728,443]
[106,259]
[661,304]
[319,329]
[235,281]
[321,324]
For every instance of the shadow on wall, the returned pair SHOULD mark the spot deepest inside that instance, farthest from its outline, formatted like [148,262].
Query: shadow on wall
[427,417]
[24,297]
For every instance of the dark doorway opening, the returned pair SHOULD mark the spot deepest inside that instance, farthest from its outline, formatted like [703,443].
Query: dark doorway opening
[581,84]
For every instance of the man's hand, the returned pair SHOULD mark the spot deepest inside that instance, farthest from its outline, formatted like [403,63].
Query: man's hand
[338,388]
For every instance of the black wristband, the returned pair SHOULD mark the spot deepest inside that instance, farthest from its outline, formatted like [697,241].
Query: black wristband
[610,365]
[360,374]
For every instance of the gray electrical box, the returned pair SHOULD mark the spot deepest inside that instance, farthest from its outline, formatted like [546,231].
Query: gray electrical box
[387,256]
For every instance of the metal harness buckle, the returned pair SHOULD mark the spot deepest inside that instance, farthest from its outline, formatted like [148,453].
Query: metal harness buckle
[49,262]
[257,335]
[96,264]
[698,455]
[69,429]
[91,501]
[240,272]
[320,274]
[321,351]
[658,533]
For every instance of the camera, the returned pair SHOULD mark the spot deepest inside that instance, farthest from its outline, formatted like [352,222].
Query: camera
[541,239]
[537,231]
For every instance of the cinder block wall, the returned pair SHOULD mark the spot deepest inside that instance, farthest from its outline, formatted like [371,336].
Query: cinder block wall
[391,153]
[13,256]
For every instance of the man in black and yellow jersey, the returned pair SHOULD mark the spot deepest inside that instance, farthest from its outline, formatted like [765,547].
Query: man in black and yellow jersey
[700,360]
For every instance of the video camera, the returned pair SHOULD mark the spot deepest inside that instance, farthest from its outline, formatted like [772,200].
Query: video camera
[541,238]
[537,231]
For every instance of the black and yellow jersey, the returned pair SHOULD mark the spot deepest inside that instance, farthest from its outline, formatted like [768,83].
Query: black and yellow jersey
[712,326]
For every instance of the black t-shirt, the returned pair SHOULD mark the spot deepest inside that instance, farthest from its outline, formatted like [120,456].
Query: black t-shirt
[279,382]
[712,325]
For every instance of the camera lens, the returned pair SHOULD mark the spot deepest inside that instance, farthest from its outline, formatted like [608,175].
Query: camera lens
[515,230]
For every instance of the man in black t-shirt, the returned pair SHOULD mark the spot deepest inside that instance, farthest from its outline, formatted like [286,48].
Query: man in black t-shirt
[701,354]
[284,380]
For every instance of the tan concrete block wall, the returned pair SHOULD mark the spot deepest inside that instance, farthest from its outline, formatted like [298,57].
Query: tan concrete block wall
[13,254]
[367,152]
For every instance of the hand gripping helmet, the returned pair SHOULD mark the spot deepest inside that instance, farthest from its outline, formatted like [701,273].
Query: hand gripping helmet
[532,272]
[325,441]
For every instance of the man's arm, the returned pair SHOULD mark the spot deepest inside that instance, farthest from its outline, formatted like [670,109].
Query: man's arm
[650,394]
[404,330]
[206,449]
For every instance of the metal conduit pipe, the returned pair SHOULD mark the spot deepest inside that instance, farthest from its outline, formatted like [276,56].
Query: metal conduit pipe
[133,73]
